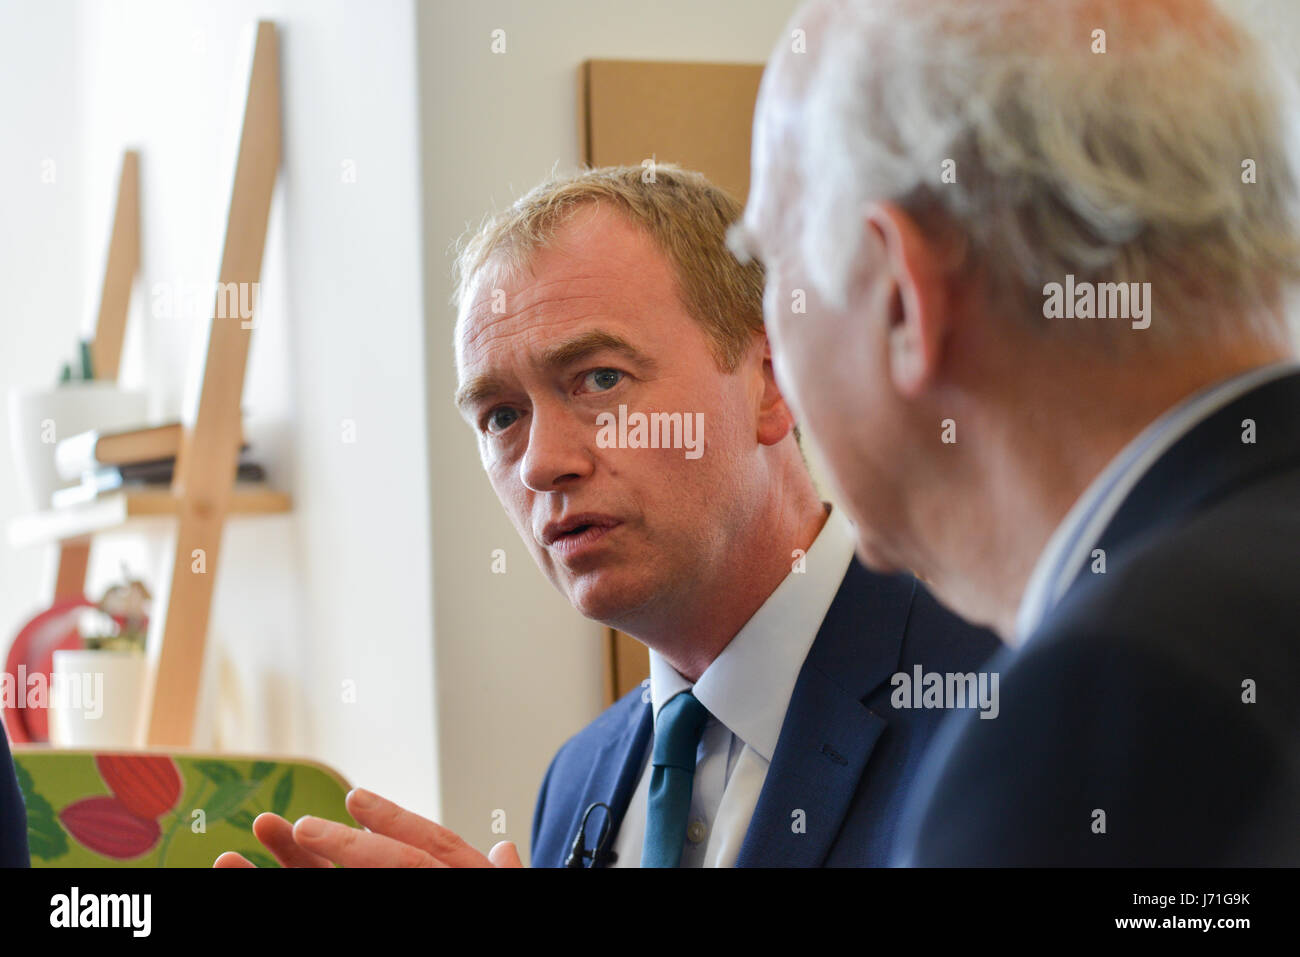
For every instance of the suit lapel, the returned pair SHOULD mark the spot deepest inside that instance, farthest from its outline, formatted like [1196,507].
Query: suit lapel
[828,734]
[614,772]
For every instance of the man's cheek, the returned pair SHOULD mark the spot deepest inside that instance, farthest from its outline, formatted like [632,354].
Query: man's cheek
[517,506]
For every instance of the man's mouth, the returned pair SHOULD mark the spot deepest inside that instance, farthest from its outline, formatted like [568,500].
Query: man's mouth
[576,531]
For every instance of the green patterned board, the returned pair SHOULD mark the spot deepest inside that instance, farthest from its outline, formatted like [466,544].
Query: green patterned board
[147,809]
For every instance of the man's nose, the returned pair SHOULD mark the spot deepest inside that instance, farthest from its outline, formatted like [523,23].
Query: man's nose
[559,452]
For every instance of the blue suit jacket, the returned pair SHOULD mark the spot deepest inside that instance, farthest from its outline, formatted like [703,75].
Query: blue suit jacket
[13,814]
[845,756]
[1131,698]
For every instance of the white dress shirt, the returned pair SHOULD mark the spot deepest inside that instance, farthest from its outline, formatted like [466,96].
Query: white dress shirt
[1071,545]
[746,690]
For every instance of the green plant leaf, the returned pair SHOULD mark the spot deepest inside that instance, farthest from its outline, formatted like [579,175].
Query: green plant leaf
[241,819]
[217,772]
[46,838]
[226,799]
[260,859]
[261,769]
[283,793]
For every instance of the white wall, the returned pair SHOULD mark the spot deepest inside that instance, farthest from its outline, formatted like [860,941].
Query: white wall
[339,590]
[1277,24]
[42,269]
[518,669]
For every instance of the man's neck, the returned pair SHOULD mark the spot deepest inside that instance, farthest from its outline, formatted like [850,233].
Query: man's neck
[1036,464]
[691,634]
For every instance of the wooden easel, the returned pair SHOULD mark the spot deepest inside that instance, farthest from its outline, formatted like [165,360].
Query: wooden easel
[209,453]
[203,491]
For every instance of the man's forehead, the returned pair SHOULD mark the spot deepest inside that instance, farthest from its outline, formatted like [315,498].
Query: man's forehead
[542,307]
[508,297]
[591,246]
[596,264]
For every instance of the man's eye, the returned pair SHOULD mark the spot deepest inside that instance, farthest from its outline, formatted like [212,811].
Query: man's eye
[501,419]
[602,380]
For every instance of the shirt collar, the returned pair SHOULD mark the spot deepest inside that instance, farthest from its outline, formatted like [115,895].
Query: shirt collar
[1071,544]
[749,685]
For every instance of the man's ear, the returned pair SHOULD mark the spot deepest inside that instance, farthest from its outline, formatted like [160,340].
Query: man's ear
[919,314]
[775,420]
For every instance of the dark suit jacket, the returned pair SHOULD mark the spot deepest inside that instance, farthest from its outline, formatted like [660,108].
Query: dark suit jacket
[845,756]
[13,814]
[1128,699]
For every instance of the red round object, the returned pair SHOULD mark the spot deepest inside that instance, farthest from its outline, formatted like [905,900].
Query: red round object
[54,629]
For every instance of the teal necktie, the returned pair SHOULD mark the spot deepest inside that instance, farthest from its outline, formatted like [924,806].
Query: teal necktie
[677,737]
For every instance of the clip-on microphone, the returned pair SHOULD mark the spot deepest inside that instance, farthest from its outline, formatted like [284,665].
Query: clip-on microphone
[599,855]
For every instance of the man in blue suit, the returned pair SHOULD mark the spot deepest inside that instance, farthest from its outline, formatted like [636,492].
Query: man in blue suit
[1049,277]
[840,769]
[13,813]
[613,364]
[728,565]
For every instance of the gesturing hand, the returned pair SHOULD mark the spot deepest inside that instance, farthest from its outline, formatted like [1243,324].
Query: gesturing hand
[394,837]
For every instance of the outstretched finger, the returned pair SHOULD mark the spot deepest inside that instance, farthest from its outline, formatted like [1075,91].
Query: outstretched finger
[352,847]
[276,835]
[232,859]
[505,854]
[382,816]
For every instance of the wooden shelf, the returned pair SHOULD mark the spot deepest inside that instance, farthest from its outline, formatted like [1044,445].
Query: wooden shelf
[208,456]
[79,522]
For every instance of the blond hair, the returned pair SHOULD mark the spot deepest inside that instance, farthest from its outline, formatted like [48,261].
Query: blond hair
[685,214]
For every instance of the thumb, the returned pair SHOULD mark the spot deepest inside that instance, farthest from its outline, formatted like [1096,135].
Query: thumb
[504,854]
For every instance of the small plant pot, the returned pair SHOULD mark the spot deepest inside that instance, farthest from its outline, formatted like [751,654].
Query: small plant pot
[95,699]
[41,418]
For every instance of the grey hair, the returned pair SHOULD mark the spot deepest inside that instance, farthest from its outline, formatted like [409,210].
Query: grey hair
[1123,166]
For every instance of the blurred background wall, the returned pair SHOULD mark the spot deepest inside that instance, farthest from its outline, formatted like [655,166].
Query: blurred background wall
[338,590]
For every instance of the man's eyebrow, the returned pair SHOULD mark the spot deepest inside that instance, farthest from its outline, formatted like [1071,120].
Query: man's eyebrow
[580,347]
[561,354]
[477,389]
